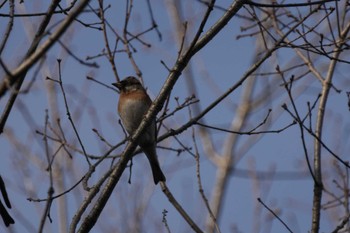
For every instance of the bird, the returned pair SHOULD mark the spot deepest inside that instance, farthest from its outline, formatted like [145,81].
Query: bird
[6,217]
[133,104]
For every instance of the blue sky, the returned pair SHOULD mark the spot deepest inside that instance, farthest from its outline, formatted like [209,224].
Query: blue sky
[215,68]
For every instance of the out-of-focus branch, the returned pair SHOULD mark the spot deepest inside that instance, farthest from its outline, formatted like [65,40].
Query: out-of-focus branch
[227,159]
[225,167]
[182,40]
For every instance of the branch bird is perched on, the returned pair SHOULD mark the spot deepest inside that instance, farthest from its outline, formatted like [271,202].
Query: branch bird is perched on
[133,105]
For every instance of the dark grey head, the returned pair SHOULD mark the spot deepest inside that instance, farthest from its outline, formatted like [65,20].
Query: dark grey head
[128,83]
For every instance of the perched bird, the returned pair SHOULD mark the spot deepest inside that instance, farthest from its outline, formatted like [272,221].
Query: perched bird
[132,106]
[3,212]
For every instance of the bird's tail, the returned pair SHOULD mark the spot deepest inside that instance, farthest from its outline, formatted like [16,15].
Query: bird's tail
[153,161]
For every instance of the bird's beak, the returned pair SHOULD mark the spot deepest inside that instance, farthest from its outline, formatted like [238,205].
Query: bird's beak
[117,85]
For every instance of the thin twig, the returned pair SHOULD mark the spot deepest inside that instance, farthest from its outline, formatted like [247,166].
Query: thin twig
[50,191]
[274,214]
[199,181]
[68,112]
[288,88]
[9,26]
[277,5]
